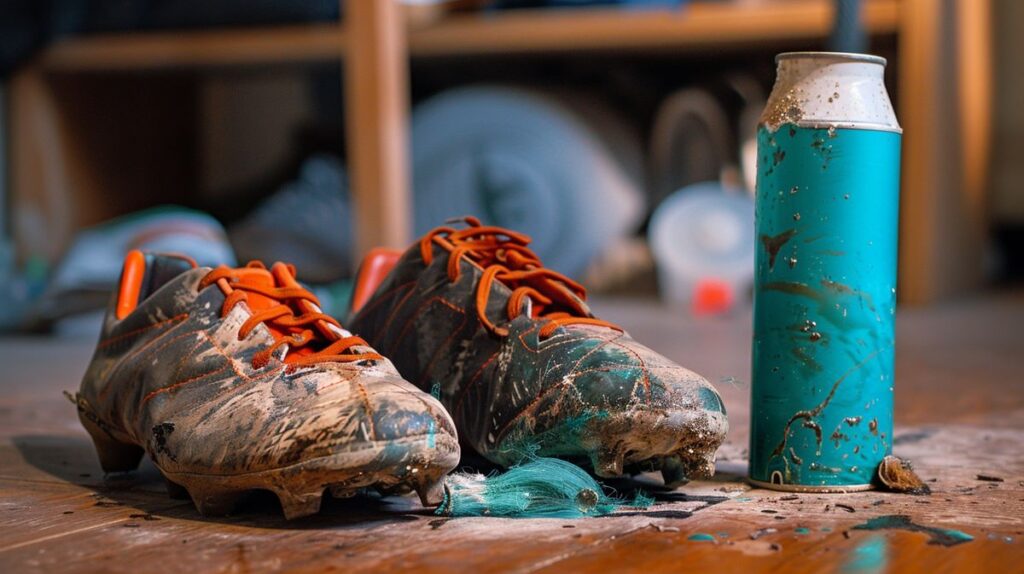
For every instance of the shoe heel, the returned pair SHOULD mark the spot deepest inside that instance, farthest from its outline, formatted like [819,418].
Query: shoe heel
[115,456]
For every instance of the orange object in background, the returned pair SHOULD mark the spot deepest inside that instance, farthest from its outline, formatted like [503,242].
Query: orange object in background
[712,297]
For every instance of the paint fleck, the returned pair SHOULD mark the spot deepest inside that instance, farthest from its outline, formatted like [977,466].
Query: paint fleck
[773,243]
[802,530]
[160,434]
[869,556]
[701,537]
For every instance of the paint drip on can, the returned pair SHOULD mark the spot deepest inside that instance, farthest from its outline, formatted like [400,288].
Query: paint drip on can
[825,275]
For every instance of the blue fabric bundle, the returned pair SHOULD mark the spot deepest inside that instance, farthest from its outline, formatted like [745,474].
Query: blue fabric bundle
[530,162]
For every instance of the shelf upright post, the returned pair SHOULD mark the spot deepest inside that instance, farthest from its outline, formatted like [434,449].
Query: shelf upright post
[376,82]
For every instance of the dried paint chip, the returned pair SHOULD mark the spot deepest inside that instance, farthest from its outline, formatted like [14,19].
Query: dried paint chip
[898,475]
[762,532]
[989,478]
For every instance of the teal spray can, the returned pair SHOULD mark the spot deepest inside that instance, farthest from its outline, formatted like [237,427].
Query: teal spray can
[825,275]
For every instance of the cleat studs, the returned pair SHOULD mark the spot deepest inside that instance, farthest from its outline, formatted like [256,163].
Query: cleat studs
[297,506]
[342,491]
[114,456]
[216,503]
[607,464]
[431,492]
[673,472]
[175,490]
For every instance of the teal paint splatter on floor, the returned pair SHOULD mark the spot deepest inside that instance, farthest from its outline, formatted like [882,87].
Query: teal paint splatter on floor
[939,536]
[802,530]
[701,537]
[871,555]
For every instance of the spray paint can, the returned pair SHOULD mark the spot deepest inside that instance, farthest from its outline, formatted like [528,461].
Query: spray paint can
[825,275]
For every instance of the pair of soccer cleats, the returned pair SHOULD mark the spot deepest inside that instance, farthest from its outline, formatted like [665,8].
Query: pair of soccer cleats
[234,380]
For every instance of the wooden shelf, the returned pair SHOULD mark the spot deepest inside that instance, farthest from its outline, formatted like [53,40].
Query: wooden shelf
[55,163]
[197,49]
[697,26]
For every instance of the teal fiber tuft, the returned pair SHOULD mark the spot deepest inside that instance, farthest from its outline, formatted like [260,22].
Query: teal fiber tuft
[642,500]
[539,488]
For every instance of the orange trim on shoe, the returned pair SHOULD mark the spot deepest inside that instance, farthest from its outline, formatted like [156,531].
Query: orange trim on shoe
[132,274]
[376,266]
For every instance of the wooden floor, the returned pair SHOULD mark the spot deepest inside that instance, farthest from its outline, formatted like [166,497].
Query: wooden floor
[960,414]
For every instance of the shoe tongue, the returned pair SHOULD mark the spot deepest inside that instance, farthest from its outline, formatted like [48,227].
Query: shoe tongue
[256,277]
[279,276]
[285,276]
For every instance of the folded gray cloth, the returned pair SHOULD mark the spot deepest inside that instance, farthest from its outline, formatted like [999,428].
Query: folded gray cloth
[526,161]
[308,223]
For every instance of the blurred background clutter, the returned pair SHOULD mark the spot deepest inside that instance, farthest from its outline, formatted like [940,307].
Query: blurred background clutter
[618,134]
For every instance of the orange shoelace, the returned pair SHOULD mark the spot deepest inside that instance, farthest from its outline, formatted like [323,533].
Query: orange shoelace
[291,313]
[505,257]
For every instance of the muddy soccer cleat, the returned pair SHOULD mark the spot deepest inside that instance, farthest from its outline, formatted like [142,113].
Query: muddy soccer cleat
[523,366]
[232,380]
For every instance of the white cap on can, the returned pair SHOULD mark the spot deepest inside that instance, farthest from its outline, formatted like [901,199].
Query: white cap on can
[830,90]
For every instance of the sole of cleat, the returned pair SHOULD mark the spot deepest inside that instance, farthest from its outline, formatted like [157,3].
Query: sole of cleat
[607,462]
[681,444]
[407,464]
